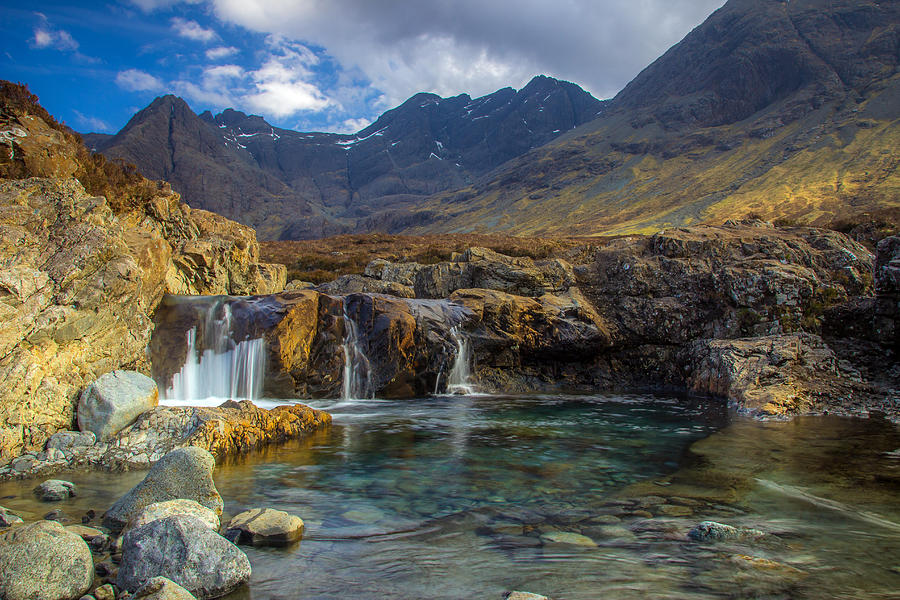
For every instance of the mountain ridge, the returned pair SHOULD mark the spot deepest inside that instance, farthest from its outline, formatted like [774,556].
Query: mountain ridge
[295,185]
[758,111]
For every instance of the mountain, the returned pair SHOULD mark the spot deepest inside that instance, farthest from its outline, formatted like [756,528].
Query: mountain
[772,108]
[293,185]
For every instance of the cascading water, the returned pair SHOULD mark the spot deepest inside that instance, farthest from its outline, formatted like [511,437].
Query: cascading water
[220,367]
[458,380]
[357,382]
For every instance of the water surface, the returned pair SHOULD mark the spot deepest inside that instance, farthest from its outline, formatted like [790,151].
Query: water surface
[569,496]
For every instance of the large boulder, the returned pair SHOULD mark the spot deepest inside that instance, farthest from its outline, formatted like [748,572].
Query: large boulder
[184,550]
[43,561]
[114,401]
[183,473]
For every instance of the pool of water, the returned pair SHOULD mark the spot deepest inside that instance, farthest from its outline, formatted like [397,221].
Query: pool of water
[569,496]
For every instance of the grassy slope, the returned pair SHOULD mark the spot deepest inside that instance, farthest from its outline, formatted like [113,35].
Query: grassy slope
[837,164]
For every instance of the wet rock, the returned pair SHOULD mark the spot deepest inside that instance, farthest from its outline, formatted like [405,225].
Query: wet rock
[57,515]
[184,473]
[264,527]
[54,490]
[184,550]
[114,401]
[712,531]
[161,588]
[171,508]
[9,518]
[43,561]
[524,596]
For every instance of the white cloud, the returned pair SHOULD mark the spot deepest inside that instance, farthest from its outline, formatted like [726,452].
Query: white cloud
[282,86]
[351,125]
[135,80]
[92,123]
[45,37]
[192,30]
[478,46]
[220,52]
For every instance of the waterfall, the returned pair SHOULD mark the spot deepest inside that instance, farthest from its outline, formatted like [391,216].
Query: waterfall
[458,379]
[357,382]
[218,366]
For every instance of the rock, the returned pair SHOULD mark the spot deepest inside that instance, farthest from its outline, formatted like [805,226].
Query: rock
[183,473]
[359,284]
[43,561]
[114,401]
[264,527]
[105,592]
[88,534]
[524,596]
[567,538]
[232,428]
[478,268]
[170,508]
[69,442]
[161,588]
[184,550]
[711,531]
[770,374]
[54,490]
[9,518]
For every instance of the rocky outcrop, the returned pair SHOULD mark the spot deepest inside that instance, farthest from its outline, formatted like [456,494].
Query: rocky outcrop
[782,374]
[44,561]
[80,280]
[478,268]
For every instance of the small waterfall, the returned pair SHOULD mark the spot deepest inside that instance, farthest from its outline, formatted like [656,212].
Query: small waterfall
[220,367]
[458,380]
[357,382]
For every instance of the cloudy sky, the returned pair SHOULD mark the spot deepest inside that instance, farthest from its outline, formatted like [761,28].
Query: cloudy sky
[324,65]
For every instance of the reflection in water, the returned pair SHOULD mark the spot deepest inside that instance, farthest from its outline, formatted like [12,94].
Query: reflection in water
[465,497]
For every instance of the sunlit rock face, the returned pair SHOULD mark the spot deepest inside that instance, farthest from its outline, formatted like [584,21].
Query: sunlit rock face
[80,277]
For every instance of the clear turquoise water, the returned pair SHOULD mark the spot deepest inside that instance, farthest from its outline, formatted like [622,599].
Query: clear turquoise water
[572,497]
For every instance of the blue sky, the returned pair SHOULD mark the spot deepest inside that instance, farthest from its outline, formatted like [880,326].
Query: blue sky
[321,65]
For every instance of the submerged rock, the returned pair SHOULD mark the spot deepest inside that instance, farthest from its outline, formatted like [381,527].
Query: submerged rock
[114,401]
[43,561]
[54,490]
[184,550]
[264,527]
[712,531]
[524,596]
[184,473]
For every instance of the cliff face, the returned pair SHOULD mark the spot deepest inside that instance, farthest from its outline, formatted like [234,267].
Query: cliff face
[80,277]
[782,110]
[294,185]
